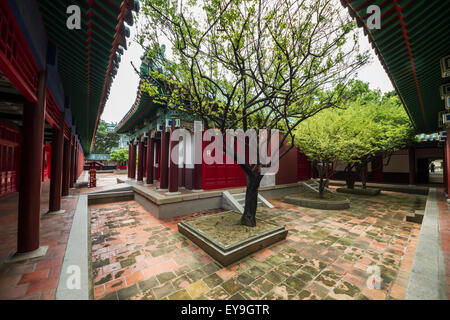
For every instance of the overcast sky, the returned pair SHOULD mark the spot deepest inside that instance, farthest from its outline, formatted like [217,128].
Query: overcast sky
[124,87]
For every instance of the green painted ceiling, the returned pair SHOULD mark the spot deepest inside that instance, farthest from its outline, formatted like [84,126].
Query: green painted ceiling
[410,43]
[87,57]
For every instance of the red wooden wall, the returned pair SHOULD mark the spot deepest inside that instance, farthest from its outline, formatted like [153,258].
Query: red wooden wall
[80,162]
[9,159]
[46,161]
[218,176]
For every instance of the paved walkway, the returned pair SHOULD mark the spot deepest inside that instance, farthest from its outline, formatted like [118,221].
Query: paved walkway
[37,278]
[444,226]
[326,255]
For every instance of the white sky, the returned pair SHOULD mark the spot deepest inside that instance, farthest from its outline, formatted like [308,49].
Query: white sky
[124,87]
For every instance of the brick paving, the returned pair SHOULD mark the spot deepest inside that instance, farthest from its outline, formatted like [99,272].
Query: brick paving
[326,254]
[36,279]
[444,227]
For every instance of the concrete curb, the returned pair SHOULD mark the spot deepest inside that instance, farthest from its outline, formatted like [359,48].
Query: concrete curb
[76,264]
[426,280]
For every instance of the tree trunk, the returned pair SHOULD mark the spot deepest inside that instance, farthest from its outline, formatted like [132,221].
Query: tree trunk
[251,200]
[364,175]
[349,177]
[320,170]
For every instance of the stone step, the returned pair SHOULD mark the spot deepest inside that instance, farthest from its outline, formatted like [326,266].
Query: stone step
[413,217]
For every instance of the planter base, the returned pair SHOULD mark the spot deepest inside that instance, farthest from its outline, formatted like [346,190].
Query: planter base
[360,191]
[231,252]
[318,203]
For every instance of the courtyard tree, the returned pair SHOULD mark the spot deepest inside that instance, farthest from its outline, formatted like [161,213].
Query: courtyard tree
[119,155]
[105,139]
[369,126]
[250,64]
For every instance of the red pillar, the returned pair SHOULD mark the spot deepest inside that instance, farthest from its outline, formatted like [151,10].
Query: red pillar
[144,160]
[173,168]
[129,161]
[30,168]
[198,168]
[149,161]
[140,172]
[132,162]
[444,165]
[66,167]
[57,167]
[75,164]
[412,165]
[164,170]
[72,160]
[447,160]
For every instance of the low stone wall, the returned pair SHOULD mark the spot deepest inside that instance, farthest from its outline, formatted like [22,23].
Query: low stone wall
[318,204]
[173,206]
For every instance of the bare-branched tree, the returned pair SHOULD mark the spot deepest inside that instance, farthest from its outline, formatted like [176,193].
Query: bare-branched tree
[250,64]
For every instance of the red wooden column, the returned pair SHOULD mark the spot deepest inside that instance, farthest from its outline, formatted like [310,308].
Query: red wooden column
[198,167]
[149,160]
[129,158]
[132,162]
[447,160]
[173,168]
[140,172]
[444,165]
[72,160]
[30,167]
[412,165]
[66,167]
[144,160]
[57,168]
[163,164]
[75,164]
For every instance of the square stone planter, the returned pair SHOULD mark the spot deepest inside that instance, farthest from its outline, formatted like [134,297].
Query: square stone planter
[233,251]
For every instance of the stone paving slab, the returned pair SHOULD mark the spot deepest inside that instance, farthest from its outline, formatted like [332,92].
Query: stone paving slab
[326,255]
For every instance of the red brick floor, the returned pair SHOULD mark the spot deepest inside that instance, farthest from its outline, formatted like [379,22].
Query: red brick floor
[35,278]
[325,256]
[444,226]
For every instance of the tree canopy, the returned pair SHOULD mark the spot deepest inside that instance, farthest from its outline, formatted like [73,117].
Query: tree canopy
[249,64]
[369,125]
[105,139]
[119,155]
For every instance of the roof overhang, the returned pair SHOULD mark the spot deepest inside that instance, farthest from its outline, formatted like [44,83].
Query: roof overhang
[410,44]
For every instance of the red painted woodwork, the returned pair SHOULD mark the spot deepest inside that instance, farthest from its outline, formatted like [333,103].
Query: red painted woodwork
[158,158]
[9,159]
[16,60]
[52,112]
[303,167]
[447,160]
[80,161]
[377,170]
[46,161]
[218,176]
[149,160]
[287,171]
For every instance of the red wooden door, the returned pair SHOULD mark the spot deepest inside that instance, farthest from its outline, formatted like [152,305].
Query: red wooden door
[218,176]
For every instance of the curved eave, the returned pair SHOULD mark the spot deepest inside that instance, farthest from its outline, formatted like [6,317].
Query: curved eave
[143,108]
[87,58]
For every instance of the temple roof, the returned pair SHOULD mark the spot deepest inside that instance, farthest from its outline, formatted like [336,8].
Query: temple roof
[410,44]
[88,58]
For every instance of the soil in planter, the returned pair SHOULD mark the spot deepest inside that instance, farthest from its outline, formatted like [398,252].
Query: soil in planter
[226,229]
